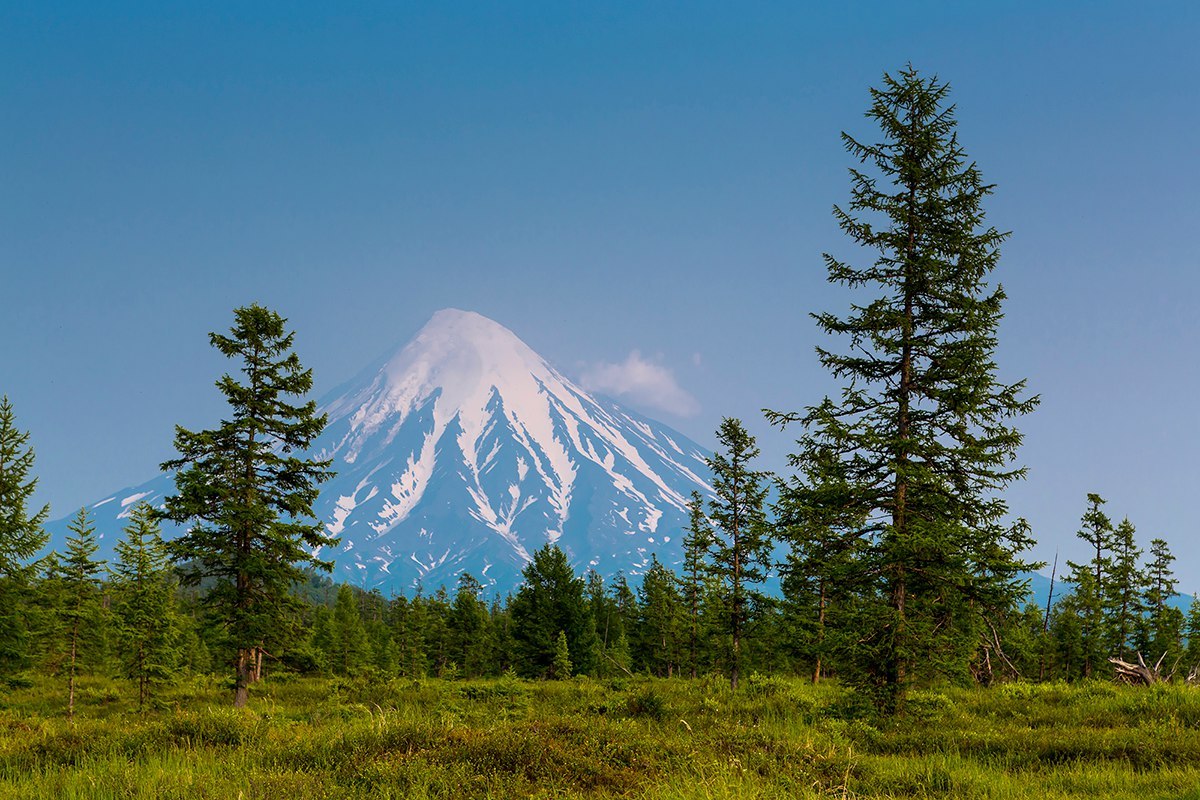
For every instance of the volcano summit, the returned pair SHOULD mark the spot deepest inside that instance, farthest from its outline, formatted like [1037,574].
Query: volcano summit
[465,450]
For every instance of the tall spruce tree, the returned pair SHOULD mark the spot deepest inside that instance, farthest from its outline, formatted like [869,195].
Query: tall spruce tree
[740,551]
[143,589]
[468,627]
[660,608]
[21,534]
[918,447]
[21,537]
[349,649]
[245,494]
[696,542]
[1123,589]
[1166,623]
[1088,596]
[80,603]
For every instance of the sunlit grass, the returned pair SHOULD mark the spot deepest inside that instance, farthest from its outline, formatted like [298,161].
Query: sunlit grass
[311,738]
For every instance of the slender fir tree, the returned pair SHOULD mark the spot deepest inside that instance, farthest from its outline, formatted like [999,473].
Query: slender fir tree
[696,542]
[81,584]
[560,668]
[1088,578]
[21,537]
[21,534]
[143,590]
[468,627]
[918,446]
[740,551]
[1166,623]
[349,648]
[1192,631]
[1123,589]
[245,494]
[659,621]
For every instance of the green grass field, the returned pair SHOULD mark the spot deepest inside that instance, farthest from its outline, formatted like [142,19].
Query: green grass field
[311,738]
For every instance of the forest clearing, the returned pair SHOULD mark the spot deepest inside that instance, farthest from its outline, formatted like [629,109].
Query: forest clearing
[307,738]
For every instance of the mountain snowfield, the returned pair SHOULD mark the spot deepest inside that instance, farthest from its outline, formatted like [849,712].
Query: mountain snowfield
[466,451]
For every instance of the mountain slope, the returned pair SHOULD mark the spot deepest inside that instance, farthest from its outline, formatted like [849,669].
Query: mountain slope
[466,450]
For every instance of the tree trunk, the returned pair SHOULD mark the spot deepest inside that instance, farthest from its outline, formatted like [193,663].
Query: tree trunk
[1046,619]
[71,677]
[241,691]
[816,675]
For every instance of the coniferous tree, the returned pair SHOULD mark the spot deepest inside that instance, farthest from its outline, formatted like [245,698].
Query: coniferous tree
[408,632]
[1160,577]
[80,583]
[468,627]
[501,644]
[21,537]
[384,657]
[436,616]
[1192,631]
[350,649]
[659,622]
[624,605]
[740,549]
[619,655]
[244,493]
[560,668]
[696,543]
[321,638]
[1068,642]
[821,582]
[1122,589]
[918,446]
[550,601]
[1083,615]
[1087,600]
[1166,623]
[144,604]
[605,617]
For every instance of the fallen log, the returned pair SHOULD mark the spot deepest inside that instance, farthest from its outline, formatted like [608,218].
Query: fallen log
[1139,674]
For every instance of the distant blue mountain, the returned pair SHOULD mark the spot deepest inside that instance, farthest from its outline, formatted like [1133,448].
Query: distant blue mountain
[1039,589]
[466,450]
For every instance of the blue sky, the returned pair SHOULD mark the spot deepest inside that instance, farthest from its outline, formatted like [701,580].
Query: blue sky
[633,189]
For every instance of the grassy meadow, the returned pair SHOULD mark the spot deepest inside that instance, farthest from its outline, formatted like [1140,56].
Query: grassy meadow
[311,738]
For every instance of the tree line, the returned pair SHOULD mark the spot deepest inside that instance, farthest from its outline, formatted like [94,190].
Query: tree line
[898,558]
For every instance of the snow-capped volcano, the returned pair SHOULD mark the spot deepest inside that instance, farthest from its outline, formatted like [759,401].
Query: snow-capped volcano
[465,450]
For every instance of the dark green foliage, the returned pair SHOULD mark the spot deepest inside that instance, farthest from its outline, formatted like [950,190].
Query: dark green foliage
[551,601]
[1086,602]
[1192,631]
[560,667]
[912,455]
[348,651]
[502,645]
[244,495]
[696,542]
[21,537]
[143,589]
[80,611]
[21,534]
[740,543]
[408,633]
[468,626]
[660,622]
[1165,624]
[1122,590]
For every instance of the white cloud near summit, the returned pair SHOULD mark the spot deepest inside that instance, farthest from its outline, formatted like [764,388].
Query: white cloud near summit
[640,381]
